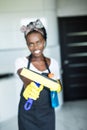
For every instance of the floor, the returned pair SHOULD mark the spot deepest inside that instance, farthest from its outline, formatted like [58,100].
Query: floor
[71,116]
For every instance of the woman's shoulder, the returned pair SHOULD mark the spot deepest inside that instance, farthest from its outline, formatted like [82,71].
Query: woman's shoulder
[53,61]
[21,62]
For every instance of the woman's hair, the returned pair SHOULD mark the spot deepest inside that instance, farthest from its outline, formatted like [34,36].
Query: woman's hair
[35,26]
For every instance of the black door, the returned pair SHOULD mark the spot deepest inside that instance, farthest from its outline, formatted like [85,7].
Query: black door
[73,44]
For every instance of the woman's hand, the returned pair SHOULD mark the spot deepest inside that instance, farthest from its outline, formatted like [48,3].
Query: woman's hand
[32,91]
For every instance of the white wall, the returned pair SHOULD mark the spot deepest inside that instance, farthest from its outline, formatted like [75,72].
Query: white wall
[8,105]
[71,7]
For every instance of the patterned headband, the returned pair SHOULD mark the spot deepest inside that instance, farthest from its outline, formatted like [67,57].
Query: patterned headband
[37,25]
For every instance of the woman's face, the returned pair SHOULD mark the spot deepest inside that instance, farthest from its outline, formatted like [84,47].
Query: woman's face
[35,43]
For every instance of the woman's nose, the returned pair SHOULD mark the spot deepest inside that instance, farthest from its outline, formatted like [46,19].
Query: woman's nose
[35,45]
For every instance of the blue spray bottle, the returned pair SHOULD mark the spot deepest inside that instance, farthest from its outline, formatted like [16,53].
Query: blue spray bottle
[53,94]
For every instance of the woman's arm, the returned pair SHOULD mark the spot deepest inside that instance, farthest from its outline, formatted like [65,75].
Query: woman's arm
[25,80]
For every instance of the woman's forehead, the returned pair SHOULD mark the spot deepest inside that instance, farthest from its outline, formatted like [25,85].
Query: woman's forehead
[34,37]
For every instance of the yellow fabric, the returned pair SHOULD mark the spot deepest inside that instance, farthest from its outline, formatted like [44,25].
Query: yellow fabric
[32,91]
[58,89]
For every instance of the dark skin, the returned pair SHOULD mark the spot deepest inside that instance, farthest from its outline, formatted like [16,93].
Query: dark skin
[35,43]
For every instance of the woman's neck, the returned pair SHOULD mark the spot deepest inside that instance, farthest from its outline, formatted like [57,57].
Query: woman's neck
[39,58]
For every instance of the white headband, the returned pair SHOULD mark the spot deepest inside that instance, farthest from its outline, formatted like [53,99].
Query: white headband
[36,25]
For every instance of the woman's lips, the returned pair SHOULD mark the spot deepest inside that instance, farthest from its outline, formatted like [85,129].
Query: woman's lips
[37,51]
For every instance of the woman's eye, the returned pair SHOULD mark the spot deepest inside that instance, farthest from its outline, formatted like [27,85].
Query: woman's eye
[38,43]
[31,44]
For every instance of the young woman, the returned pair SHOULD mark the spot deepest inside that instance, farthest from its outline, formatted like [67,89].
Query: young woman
[41,116]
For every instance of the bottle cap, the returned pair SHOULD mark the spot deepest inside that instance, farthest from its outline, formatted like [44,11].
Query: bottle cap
[50,75]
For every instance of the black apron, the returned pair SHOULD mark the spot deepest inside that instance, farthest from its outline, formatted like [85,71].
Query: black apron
[41,116]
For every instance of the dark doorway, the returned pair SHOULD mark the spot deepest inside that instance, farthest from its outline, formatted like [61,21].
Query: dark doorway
[73,44]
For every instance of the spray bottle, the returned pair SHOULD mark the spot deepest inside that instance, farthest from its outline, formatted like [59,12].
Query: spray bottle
[53,94]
